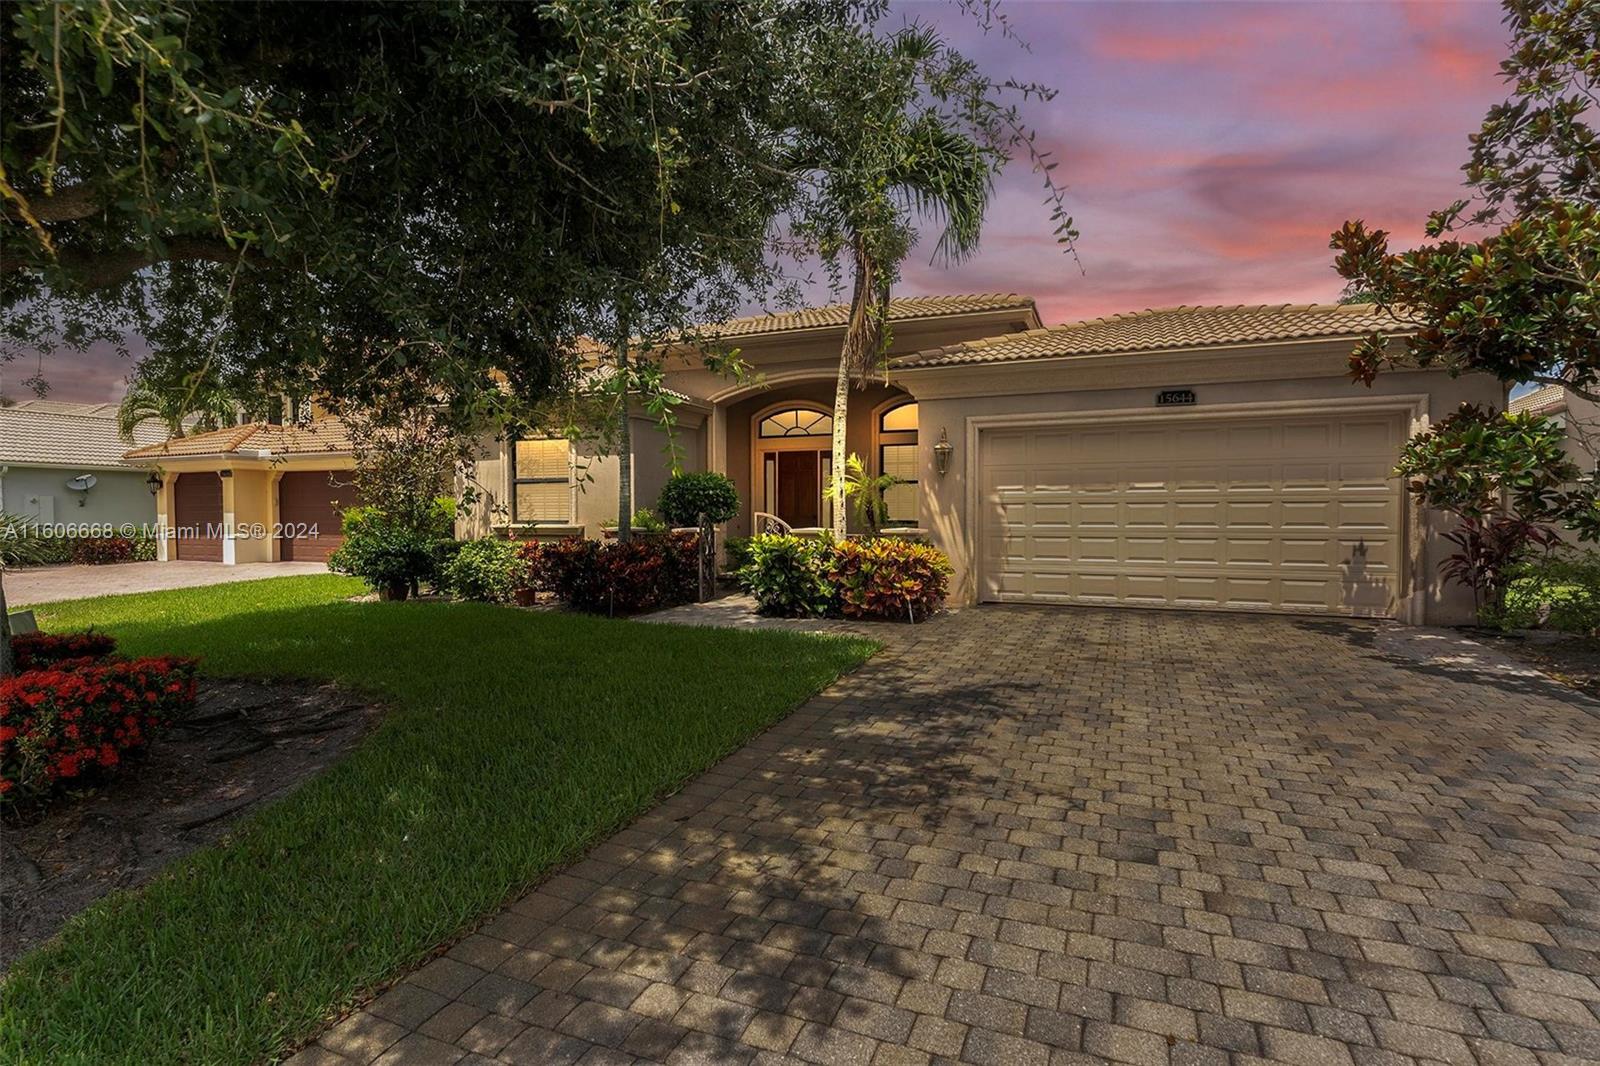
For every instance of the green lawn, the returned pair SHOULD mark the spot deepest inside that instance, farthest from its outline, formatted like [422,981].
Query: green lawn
[515,740]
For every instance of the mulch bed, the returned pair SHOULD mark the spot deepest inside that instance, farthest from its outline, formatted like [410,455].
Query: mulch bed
[248,742]
[1569,658]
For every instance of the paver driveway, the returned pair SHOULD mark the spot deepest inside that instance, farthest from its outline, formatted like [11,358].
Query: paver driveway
[49,584]
[1030,835]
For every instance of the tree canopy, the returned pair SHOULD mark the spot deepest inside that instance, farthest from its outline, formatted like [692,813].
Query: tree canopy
[325,198]
[1522,303]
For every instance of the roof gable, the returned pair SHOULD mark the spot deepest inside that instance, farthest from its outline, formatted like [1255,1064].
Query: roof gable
[320,436]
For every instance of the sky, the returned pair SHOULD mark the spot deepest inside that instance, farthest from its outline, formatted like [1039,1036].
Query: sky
[1208,148]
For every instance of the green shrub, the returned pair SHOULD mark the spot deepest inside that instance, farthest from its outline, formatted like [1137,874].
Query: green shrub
[738,549]
[788,575]
[644,520]
[685,497]
[1560,592]
[889,578]
[387,556]
[442,552]
[487,569]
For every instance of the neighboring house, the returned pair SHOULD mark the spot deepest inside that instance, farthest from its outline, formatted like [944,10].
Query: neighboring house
[255,493]
[61,464]
[1199,457]
[1580,418]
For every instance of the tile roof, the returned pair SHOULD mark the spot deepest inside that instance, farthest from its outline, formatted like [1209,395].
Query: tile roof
[1165,329]
[900,309]
[311,438]
[51,433]
[1543,399]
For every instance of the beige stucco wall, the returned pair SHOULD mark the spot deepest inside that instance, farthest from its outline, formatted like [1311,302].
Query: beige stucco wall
[594,494]
[249,509]
[1046,390]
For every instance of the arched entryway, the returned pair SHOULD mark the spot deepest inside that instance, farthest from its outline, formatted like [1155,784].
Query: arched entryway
[793,462]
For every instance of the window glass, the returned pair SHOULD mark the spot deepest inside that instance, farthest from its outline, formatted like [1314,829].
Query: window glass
[541,481]
[902,419]
[797,422]
[900,460]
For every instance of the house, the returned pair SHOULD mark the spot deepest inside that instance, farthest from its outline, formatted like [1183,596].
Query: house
[255,493]
[61,465]
[1580,418]
[1197,457]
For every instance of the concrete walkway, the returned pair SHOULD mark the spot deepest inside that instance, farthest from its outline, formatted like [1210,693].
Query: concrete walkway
[47,584]
[1048,837]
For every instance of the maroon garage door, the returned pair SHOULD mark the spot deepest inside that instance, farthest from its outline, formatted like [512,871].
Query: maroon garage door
[197,512]
[309,505]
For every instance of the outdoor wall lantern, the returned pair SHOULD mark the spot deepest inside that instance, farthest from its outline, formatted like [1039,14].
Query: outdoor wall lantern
[153,483]
[941,452]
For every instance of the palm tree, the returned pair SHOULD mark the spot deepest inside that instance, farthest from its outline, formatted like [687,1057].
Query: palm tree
[198,401]
[888,150]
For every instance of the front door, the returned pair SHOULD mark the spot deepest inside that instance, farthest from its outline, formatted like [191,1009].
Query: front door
[799,488]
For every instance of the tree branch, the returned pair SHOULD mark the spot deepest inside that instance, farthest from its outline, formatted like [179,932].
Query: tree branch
[67,204]
[101,270]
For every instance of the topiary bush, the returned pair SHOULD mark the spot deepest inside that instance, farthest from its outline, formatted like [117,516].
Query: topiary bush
[788,575]
[685,497]
[489,570]
[889,578]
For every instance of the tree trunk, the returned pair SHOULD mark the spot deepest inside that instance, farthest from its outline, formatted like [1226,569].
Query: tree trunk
[841,411]
[8,661]
[860,339]
[624,449]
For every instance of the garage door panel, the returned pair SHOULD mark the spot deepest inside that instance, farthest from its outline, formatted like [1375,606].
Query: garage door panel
[310,513]
[1288,514]
[197,514]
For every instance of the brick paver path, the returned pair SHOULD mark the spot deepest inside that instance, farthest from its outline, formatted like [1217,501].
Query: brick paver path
[1027,835]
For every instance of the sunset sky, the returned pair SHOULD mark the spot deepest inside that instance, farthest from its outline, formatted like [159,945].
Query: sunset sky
[1209,148]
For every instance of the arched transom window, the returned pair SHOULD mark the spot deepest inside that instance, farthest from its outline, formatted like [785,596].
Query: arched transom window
[796,422]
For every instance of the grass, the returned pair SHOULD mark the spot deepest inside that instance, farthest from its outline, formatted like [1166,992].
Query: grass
[515,740]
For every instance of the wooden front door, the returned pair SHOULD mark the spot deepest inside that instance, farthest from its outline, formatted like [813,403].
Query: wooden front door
[799,488]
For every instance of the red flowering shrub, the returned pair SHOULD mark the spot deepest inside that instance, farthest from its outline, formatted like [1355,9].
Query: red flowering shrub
[96,551]
[642,575]
[889,578]
[35,651]
[67,725]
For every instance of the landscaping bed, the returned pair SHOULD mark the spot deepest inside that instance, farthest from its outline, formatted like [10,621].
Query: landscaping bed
[1570,658]
[246,743]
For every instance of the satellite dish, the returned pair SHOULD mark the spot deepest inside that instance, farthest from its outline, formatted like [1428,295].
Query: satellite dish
[82,483]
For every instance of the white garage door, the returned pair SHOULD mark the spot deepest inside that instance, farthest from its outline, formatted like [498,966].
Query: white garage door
[1263,514]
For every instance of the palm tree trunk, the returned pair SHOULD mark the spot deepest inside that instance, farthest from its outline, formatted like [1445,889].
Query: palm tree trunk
[860,338]
[841,410]
[624,449]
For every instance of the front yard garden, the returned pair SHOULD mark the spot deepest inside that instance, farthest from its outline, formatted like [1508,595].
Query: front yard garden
[513,741]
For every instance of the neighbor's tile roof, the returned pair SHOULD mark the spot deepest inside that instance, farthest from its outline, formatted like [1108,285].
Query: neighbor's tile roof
[322,435]
[52,433]
[900,309]
[1544,398]
[1165,329]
